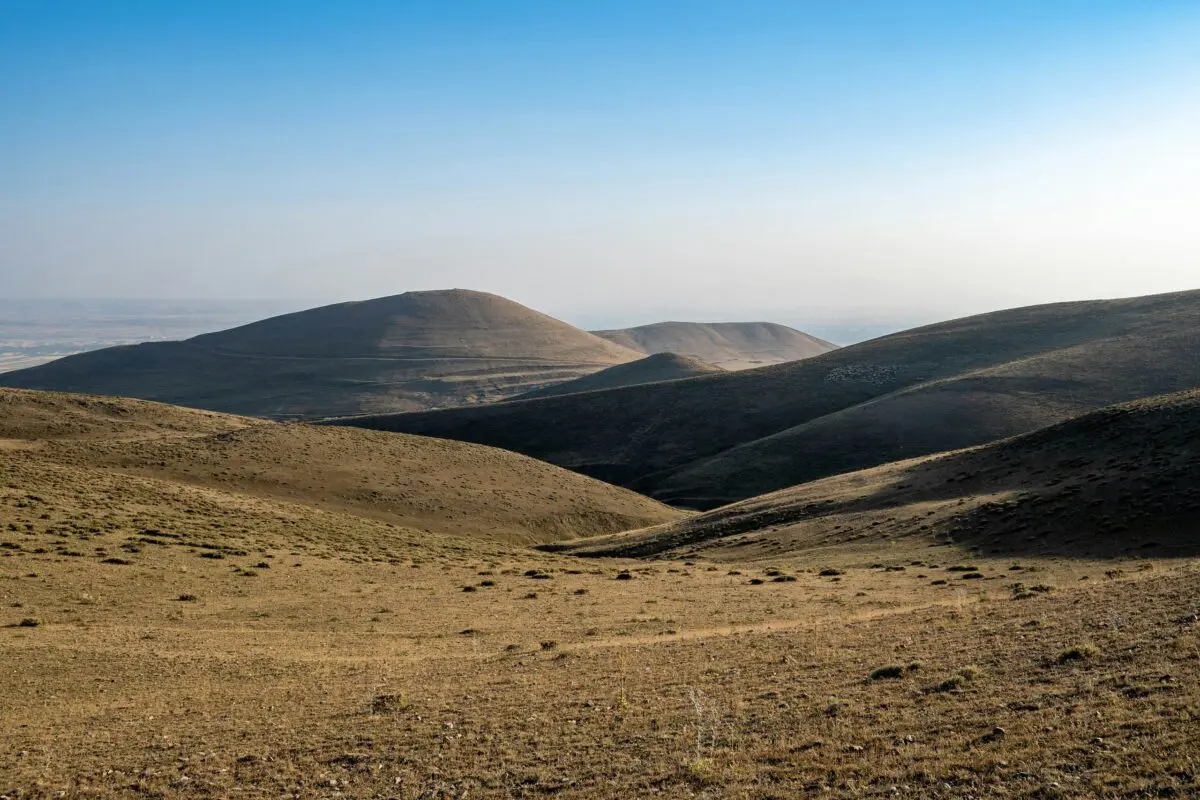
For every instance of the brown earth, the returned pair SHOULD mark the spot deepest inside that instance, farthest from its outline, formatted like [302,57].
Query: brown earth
[183,631]
[413,482]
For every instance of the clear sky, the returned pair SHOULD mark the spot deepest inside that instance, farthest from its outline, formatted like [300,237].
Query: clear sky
[605,161]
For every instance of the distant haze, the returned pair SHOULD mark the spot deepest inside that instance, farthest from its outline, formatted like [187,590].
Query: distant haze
[862,166]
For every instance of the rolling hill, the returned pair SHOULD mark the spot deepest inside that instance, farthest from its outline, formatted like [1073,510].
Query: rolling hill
[420,484]
[712,440]
[1113,482]
[729,345]
[651,369]
[411,351]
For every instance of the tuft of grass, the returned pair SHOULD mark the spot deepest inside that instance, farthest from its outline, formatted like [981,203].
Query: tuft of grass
[948,685]
[187,598]
[1079,652]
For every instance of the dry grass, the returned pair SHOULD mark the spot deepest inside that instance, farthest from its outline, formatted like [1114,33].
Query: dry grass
[328,653]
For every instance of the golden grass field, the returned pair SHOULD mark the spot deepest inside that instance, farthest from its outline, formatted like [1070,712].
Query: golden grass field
[183,631]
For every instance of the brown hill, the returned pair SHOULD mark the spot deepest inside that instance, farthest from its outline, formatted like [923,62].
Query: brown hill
[712,440]
[651,369]
[1119,481]
[411,351]
[729,345]
[414,482]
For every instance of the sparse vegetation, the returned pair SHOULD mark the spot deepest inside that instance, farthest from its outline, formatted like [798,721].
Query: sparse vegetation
[813,687]
[1079,652]
[888,672]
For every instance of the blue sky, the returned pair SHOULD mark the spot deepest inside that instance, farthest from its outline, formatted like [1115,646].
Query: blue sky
[603,160]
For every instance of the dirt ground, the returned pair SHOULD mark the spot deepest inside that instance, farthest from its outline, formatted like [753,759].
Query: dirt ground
[277,673]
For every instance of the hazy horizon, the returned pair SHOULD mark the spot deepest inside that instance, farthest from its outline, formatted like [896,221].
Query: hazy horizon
[610,164]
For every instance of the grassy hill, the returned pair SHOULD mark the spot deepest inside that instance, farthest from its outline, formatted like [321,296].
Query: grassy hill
[1115,482]
[712,440]
[651,369]
[175,622]
[423,485]
[407,352]
[729,345]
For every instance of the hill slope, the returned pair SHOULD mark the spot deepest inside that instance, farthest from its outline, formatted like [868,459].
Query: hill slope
[1121,480]
[712,440]
[417,483]
[729,345]
[407,352]
[651,369]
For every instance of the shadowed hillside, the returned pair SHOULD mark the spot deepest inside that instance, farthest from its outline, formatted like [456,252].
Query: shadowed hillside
[660,367]
[418,483]
[712,440]
[1119,481]
[729,345]
[407,352]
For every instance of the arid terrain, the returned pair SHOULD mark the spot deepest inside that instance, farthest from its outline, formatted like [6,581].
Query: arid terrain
[712,440]
[202,605]
[409,352]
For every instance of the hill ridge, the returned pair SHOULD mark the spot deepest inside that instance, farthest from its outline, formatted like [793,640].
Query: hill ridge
[729,345]
[710,440]
[651,369]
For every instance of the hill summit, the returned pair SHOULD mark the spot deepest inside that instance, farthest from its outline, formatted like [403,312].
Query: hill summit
[728,345]
[406,352]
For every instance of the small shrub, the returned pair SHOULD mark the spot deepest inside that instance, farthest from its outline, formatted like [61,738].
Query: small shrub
[549,644]
[469,589]
[581,591]
[970,672]
[187,598]
[948,685]
[757,581]
[29,622]
[888,672]
[829,572]
[784,579]
[388,703]
[1080,652]
[120,561]
[624,575]
[487,584]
